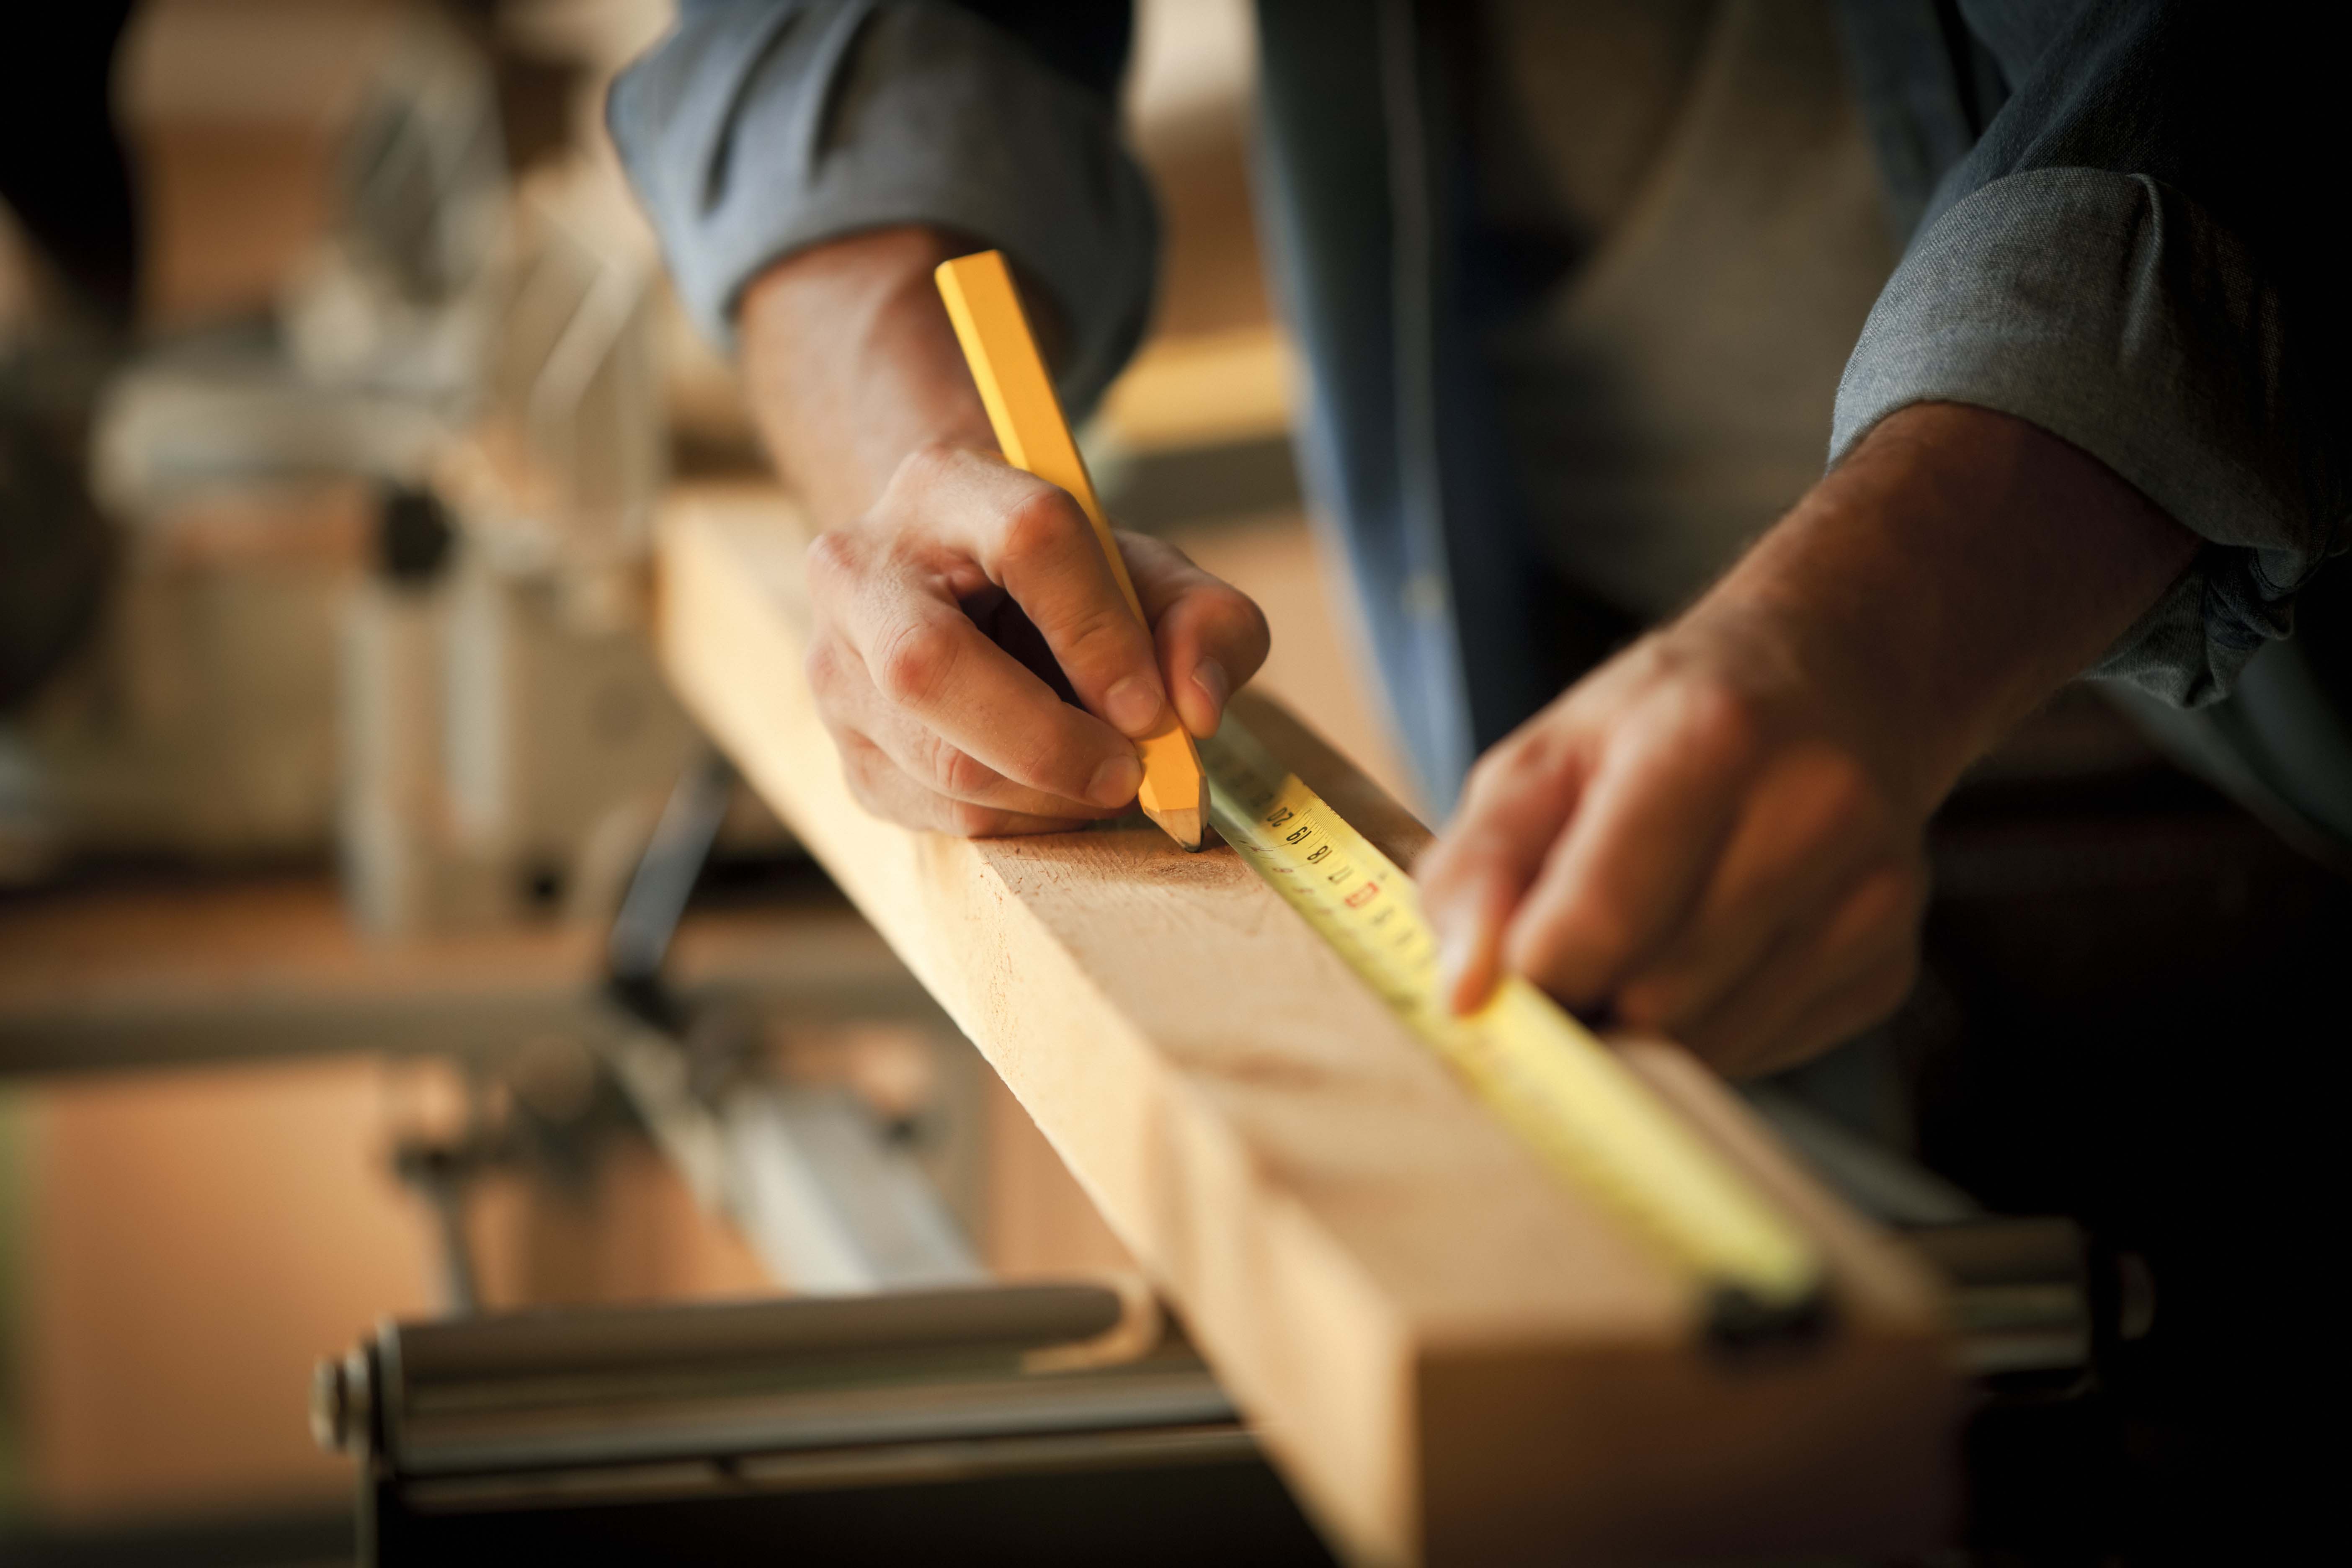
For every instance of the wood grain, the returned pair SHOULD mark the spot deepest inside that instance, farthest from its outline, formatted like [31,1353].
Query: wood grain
[1452,1357]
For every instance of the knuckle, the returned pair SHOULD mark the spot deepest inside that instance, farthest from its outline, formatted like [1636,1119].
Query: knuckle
[1516,757]
[1105,634]
[1037,526]
[861,768]
[1497,768]
[1239,614]
[914,663]
[821,666]
[1842,797]
[1483,775]
[1540,756]
[922,469]
[959,774]
[832,560]
[1719,720]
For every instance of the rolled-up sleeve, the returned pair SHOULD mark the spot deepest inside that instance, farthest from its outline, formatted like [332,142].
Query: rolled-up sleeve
[759,128]
[2098,266]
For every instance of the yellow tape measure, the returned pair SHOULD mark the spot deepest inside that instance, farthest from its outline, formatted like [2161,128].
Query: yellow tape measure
[1556,1086]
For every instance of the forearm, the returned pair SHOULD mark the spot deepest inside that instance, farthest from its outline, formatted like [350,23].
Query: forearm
[1718,833]
[850,364]
[1947,577]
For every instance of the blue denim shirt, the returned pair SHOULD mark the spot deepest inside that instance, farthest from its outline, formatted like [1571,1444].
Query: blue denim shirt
[2111,234]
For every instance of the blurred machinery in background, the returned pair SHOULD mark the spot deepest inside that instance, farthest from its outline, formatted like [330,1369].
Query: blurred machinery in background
[382,551]
[378,548]
[1040,1423]
[460,400]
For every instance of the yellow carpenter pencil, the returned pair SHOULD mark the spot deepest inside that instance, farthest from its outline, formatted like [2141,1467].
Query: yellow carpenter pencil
[1029,427]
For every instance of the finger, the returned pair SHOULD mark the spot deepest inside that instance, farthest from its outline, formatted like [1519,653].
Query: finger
[1514,806]
[1805,830]
[888,791]
[1651,826]
[1833,968]
[944,769]
[1035,542]
[1210,637]
[849,704]
[1868,999]
[926,659]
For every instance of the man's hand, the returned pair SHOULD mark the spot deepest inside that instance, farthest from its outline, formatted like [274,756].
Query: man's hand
[953,594]
[942,615]
[1719,835]
[1684,844]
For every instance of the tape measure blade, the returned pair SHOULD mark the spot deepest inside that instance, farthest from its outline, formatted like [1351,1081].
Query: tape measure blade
[1553,1083]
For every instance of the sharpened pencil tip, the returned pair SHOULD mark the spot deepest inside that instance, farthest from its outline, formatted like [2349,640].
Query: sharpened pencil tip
[1187,824]
[1184,826]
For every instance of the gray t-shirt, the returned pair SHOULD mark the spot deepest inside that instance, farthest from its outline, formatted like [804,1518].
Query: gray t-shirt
[1703,168]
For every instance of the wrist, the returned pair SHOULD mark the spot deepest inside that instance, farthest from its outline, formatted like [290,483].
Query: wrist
[1957,569]
[850,366]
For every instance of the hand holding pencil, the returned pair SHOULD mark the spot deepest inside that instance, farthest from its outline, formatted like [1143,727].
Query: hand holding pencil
[1035,437]
[981,667]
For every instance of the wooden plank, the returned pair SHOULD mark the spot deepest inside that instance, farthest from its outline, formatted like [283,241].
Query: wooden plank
[1453,1358]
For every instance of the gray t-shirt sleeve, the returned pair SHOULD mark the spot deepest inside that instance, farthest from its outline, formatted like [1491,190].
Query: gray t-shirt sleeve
[2074,271]
[759,128]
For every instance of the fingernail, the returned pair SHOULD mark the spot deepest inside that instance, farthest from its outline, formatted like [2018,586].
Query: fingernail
[1459,947]
[1211,677]
[1453,956]
[1116,782]
[1133,705]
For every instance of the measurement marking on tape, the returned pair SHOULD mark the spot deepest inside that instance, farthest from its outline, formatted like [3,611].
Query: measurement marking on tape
[1550,1079]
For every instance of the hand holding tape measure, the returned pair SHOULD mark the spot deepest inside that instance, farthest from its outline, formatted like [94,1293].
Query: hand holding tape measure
[1751,1270]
